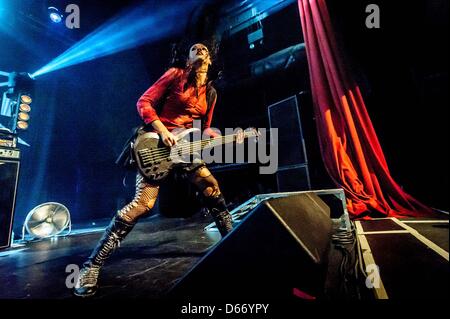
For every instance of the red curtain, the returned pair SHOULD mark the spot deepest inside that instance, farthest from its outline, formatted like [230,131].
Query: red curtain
[349,145]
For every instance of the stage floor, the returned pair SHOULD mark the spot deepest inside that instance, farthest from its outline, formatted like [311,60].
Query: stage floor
[154,255]
[159,251]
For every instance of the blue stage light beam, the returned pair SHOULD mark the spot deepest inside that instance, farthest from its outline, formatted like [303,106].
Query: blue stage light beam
[144,24]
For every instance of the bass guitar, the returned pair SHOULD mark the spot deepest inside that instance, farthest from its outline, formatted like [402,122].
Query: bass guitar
[155,160]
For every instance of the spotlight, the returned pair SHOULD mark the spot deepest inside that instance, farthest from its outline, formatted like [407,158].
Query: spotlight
[24,108]
[22,125]
[54,15]
[23,116]
[25,99]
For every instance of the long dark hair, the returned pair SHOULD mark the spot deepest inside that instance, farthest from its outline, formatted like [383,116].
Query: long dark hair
[180,54]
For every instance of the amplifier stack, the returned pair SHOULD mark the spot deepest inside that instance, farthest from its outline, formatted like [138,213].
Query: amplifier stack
[9,173]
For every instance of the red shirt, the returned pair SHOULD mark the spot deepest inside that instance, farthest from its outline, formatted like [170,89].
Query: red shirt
[183,103]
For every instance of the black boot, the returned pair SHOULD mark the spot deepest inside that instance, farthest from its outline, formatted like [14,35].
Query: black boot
[222,217]
[87,280]
[223,220]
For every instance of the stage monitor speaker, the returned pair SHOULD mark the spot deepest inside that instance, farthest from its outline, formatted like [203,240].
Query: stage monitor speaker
[9,171]
[281,245]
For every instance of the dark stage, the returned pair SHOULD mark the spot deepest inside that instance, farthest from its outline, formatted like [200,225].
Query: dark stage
[153,257]
[161,250]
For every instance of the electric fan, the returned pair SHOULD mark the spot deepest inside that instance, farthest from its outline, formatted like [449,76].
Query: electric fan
[47,220]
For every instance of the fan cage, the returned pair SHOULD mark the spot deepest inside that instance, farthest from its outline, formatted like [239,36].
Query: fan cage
[67,226]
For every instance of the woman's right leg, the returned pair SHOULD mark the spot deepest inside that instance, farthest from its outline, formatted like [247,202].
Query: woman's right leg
[122,223]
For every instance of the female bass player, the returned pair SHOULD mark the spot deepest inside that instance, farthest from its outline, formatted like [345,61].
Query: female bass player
[186,94]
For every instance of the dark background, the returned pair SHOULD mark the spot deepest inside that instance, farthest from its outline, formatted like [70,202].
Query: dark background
[82,115]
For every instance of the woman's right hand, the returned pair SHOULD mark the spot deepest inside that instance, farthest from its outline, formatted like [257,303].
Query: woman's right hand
[168,138]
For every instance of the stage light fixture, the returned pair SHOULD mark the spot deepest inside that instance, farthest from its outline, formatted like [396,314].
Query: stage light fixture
[22,112]
[20,82]
[26,99]
[23,116]
[54,15]
[15,104]
[24,108]
[22,125]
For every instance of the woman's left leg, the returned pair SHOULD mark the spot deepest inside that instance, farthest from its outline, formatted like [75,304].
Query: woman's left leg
[214,199]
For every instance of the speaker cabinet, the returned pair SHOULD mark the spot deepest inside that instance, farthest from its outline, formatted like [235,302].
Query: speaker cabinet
[293,179]
[293,171]
[9,172]
[281,245]
[285,116]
